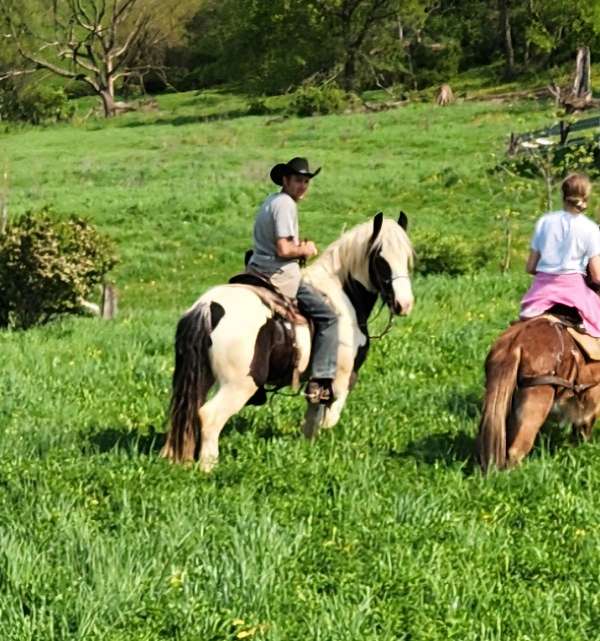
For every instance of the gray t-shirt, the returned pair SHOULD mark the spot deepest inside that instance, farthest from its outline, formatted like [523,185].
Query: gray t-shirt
[277,218]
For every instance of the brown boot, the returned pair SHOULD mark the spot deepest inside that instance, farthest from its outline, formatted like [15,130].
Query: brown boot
[319,391]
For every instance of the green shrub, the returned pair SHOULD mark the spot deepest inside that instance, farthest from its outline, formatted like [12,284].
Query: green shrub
[34,103]
[257,106]
[47,267]
[311,100]
[556,160]
[438,253]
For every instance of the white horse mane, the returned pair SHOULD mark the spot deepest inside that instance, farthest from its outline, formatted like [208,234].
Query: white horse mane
[347,255]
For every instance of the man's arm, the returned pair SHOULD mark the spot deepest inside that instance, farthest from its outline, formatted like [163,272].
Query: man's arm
[287,248]
[532,261]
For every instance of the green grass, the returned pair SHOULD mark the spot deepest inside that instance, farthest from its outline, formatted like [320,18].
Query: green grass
[383,528]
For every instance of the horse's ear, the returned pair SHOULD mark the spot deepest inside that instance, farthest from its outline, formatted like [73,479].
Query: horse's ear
[377,224]
[403,221]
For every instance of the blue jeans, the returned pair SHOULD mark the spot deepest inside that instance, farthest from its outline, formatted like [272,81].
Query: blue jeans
[323,362]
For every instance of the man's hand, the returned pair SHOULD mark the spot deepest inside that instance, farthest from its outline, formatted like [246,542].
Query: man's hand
[287,248]
[310,249]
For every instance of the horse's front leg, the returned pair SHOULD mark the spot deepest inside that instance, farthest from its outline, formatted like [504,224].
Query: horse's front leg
[327,416]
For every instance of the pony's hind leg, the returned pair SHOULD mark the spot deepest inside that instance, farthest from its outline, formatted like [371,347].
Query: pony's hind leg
[530,409]
[582,431]
[229,399]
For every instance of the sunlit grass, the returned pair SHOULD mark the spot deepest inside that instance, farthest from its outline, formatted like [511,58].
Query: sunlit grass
[382,529]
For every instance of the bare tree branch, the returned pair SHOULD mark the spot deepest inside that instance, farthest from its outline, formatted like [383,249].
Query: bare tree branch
[99,42]
[16,72]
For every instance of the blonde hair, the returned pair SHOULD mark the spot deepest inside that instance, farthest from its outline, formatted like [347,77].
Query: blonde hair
[576,190]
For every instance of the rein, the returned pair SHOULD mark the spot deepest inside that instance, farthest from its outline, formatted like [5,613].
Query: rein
[386,330]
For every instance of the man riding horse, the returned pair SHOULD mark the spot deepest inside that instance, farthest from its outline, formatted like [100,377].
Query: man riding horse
[276,255]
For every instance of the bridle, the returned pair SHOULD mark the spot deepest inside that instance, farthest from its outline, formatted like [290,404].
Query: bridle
[384,285]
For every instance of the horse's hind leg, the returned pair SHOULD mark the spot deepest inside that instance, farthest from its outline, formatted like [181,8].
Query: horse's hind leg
[229,400]
[582,430]
[530,409]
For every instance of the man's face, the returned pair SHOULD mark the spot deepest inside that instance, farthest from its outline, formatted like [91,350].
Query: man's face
[296,186]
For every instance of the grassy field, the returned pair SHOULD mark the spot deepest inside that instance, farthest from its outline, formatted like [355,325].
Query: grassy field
[382,529]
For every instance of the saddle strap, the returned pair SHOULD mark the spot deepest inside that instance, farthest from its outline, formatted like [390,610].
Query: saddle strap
[557,381]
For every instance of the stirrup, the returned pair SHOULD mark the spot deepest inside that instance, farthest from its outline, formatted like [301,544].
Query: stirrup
[317,393]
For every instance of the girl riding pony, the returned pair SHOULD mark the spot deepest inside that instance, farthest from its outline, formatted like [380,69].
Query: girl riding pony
[566,245]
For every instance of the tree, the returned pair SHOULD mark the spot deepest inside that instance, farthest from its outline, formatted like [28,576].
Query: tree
[99,42]
[351,22]
[506,30]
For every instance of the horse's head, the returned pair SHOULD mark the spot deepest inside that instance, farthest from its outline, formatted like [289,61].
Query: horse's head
[390,256]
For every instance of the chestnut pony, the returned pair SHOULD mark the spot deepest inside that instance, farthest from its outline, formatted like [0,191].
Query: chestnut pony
[533,367]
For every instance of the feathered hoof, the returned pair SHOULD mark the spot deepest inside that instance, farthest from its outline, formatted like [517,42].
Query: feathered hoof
[208,464]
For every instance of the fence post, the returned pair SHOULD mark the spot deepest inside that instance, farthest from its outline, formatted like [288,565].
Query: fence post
[109,301]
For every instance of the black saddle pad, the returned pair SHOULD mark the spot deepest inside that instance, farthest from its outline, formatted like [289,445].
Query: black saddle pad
[569,314]
[253,279]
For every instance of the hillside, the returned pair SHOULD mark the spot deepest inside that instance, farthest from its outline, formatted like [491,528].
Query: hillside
[383,529]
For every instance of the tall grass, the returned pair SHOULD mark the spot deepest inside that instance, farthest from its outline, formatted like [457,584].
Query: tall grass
[383,528]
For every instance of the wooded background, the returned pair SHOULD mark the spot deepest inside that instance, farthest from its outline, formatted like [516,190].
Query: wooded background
[115,47]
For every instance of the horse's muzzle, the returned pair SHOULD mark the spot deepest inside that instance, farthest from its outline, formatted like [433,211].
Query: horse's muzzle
[401,308]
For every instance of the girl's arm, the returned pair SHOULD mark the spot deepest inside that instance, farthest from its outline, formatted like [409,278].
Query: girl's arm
[594,269]
[532,261]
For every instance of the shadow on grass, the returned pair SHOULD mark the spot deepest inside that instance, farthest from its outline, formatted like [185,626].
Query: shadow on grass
[447,448]
[191,119]
[465,404]
[263,429]
[133,441]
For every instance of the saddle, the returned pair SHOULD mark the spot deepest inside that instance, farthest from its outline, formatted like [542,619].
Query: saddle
[283,308]
[279,304]
[569,317]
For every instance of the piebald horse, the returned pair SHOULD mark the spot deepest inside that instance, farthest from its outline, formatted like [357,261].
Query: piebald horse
[535,366]
[231,338]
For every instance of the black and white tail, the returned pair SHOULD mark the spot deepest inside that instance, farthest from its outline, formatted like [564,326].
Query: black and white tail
[192,380]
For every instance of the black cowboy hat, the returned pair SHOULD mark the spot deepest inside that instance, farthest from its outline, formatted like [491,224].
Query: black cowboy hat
[294,166]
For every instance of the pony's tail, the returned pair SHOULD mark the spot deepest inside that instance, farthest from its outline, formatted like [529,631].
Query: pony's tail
[501,368]
[192,379]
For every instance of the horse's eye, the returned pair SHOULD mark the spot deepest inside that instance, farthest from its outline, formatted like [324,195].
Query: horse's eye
[383,270]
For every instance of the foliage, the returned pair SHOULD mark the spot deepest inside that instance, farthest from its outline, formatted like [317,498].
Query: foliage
[257,106]
[373,42]
[438,253]
[34,103]
[311,100]
[435,62]
[92,42]
[583,155]
[47,267]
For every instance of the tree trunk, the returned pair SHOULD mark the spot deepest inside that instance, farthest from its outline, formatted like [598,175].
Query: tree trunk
[350,70]
[504,6]
[108,102]
[582,85]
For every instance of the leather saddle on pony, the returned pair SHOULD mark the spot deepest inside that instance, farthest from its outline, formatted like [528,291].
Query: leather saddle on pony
[570,318]
[280,365]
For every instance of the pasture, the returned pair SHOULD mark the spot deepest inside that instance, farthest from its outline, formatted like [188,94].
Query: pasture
[383,528]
